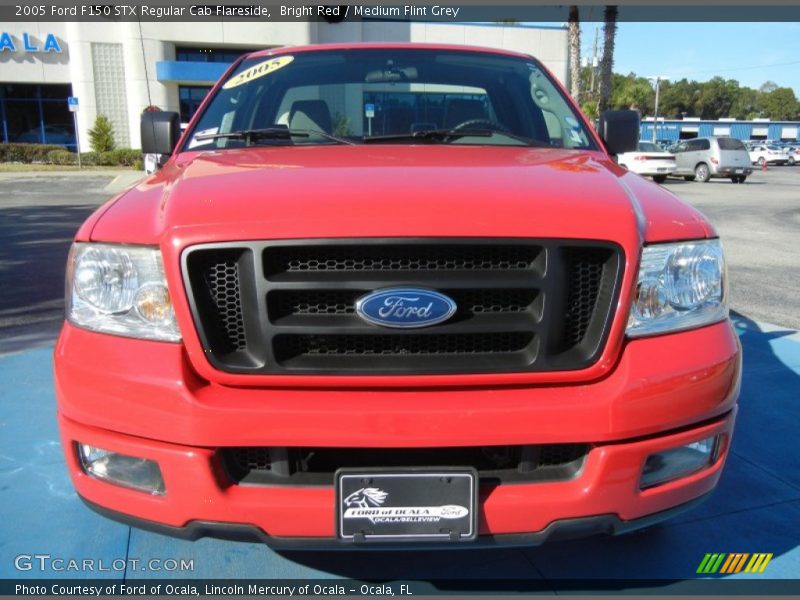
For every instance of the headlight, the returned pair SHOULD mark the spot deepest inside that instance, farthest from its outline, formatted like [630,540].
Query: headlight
[120,290]
[680,286]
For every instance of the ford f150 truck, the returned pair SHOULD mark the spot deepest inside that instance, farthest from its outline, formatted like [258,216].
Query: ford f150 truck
[394,294]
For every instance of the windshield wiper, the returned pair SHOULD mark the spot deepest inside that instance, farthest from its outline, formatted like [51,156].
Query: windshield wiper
[430,134]
[271,133]
[445,134]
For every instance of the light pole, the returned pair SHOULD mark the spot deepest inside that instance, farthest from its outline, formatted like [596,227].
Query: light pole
[658,79]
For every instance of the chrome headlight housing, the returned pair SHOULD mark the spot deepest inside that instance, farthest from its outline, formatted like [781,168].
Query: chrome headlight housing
[120,290]
[680,286]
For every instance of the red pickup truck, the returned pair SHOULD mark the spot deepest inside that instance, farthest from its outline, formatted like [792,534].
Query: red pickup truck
[394,294]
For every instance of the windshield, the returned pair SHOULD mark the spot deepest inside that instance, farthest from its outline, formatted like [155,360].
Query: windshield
[730,144]
[649,147]
[388,96]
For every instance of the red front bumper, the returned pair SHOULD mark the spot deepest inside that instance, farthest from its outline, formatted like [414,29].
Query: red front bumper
[143,399]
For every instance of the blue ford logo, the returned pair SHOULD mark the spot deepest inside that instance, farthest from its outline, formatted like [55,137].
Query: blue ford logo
[405,307]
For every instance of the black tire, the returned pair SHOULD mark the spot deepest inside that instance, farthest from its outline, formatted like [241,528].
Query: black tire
[702,173]
[734,180]
[659,178]
[791,161]
[761,161]
[689,177]
[742,179]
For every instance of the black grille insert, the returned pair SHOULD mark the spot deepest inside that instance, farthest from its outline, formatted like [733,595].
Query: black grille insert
[417,257]
[289,307]
[317,466]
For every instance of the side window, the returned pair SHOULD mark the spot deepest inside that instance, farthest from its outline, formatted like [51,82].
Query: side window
[682,147]
[691,146]
[704,144]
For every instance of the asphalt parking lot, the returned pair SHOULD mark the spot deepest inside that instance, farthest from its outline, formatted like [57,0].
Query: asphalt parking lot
[755,509]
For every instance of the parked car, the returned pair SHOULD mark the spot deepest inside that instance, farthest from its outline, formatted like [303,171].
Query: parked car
[353,332]
[700,159]
[771,154]
[648,159]
[59,135]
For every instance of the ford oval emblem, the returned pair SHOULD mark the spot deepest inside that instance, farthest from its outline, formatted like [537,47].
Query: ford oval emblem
[405,307]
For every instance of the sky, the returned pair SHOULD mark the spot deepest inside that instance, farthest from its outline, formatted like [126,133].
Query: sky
[750,53]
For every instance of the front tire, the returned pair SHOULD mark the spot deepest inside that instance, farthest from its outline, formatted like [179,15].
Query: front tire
[761,161]
[701,173]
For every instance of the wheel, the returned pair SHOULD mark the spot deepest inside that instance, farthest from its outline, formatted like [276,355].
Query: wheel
[734,180]
[761,161]
[741,179]
[701,173]
[791,161]
[688,177]
[659,178]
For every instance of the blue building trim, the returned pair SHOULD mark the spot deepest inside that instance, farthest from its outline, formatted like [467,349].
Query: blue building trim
[670,129]
[189,71]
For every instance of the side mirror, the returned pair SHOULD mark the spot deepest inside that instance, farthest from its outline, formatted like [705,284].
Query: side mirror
[160,132]
[619,129]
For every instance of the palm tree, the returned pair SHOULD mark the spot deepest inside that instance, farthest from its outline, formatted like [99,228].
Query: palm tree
[607,62]
[574,35]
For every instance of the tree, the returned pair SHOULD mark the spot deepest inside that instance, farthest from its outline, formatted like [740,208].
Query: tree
[607,62]
[574,36]
[679,98]
[746,104]
[101,136]
[716,98]
[781,104]
[767,87]
[632,92]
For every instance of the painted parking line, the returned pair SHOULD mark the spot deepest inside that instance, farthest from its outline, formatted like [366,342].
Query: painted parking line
[751,511]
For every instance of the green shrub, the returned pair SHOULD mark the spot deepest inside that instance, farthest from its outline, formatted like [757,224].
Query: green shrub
[88,159]
[101,136]
[26,153]
[138,165]
[62,157]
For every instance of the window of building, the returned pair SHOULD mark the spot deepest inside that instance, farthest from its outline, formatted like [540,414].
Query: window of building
[190,98]
[36,114]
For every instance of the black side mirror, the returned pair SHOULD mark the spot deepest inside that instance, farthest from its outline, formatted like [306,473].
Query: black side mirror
[160,132]
[619,129]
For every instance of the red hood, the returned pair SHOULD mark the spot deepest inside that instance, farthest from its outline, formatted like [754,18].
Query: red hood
[387,191]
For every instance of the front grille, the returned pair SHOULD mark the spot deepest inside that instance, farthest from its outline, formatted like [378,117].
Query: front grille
[317,466]
[289,307]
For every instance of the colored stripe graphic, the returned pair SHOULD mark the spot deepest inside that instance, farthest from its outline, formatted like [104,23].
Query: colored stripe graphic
[734,563]
[711,563]
[758,563]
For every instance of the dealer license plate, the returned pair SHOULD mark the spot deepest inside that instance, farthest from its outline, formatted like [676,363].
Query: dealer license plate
[397,505]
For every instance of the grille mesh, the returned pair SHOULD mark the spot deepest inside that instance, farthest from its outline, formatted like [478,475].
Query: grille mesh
[372,345]
[585,272]
[400,258]
[220,270]
[334,302]
[483,458]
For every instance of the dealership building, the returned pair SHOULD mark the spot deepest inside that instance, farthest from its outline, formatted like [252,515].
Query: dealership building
[756,130]
[120,68]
